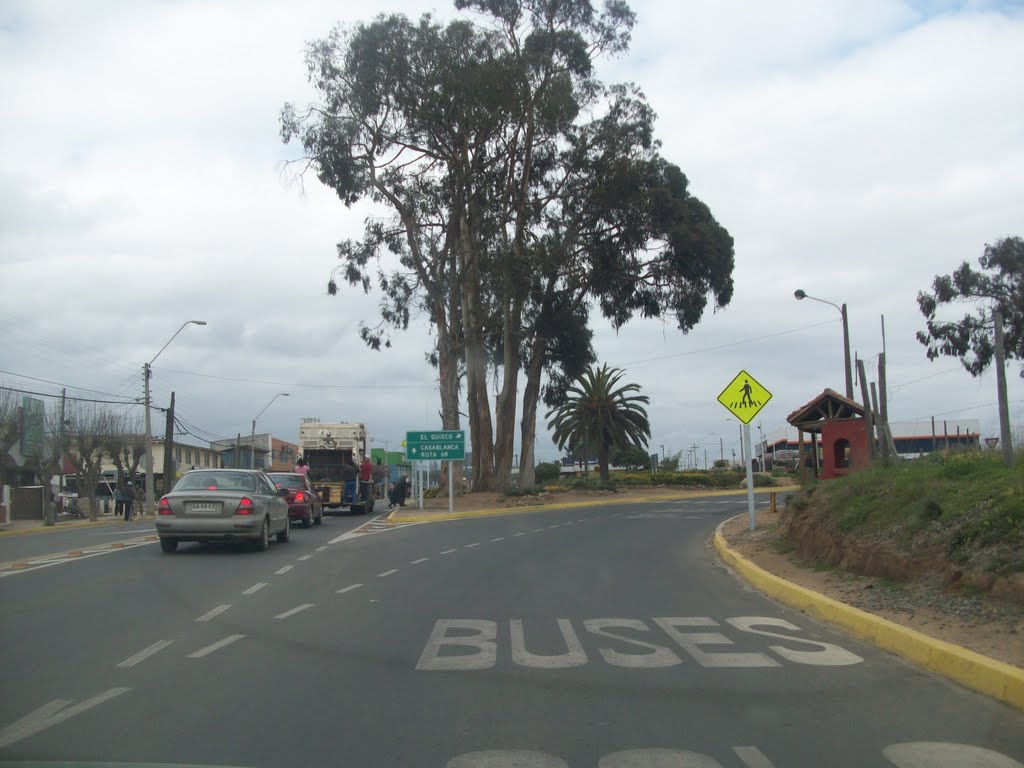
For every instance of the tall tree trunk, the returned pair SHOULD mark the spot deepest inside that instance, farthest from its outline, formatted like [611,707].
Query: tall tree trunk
[481,432]
[506,408]
[448,371]
[602,461]
[531,396]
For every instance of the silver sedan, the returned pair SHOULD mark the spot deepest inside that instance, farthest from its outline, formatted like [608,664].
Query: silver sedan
[223,505]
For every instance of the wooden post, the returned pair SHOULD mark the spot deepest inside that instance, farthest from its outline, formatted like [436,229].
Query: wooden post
[800,455]
[168,468]
[880,441]
[814,452]
[883,394]
[868,416]
[1004,408]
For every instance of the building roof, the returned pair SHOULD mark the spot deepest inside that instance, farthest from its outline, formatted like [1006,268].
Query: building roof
[828,406]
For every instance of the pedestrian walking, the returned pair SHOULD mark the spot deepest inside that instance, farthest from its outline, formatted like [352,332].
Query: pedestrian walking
[118,501]
[398,492]
[129,501]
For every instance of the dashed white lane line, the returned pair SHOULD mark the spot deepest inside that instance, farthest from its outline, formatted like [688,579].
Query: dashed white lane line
[387,573]
[567,522]
[255,588]
[474,544]
[145,653]
[521,534]
[321,549]
[500,538]
[293,611]
[215,646]
[287,568]
[305,557]
[215,612]
[349,588]
[556,525]
[449,551]
[48,715]
[537,530]
[417,562]
[752,757]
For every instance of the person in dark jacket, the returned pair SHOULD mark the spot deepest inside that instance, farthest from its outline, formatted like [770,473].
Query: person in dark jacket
[129,500]
[399,491]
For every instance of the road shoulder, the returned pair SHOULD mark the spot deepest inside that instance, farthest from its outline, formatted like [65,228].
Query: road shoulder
[973,670]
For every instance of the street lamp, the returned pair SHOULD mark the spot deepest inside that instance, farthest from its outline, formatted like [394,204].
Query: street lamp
[252,435]
[800,296]
[147,372]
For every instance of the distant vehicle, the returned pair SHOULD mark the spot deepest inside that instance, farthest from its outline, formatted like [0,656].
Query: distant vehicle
[303,501]
[333,453]
[223,505]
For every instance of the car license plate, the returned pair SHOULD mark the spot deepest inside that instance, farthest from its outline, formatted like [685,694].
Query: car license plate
[203,507]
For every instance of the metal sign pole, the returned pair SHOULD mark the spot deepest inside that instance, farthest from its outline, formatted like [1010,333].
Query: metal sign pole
[451,486]
[748,460]
[419,483]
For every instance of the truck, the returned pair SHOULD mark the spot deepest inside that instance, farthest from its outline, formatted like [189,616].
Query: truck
[333,452]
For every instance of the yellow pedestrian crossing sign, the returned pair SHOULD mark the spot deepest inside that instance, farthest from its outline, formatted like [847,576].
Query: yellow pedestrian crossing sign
[744,397]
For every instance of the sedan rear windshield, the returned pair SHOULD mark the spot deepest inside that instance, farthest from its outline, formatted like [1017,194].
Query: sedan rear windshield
[288,481]
[216,481]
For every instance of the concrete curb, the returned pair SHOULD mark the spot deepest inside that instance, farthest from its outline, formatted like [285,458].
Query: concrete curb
[979,673]
[395,518]
[67,527]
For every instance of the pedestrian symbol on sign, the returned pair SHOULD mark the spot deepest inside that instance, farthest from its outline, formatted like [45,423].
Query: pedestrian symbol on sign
[744,397]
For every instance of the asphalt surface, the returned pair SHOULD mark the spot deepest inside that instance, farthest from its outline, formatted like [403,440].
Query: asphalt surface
[608,636]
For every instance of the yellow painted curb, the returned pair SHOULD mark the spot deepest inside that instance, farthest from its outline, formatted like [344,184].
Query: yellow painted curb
[395,517]
[973,670]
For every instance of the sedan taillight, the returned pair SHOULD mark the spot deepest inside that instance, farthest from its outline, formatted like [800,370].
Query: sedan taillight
[300,497]
[245,506]
[164,508]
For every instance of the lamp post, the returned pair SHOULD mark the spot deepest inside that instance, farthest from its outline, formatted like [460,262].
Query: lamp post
[147,371]
[800,296]
[252,435]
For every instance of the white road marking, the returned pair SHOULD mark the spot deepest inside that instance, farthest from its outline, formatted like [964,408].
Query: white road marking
[293,611]
[500,538]
[73,559]
[657,657]
[537,530]
[556,525]
[145,653]
[49,715]
[305,557]
[573,657]
[752,757]
[925,754]
[521,534]
[417,562]
[823,655]
[349,588]
[287,568]
[567,522]
[474,544]
[581,520]
[215,612]
[321,549]
[483,643]
[387,573]
[449,551]
[215,646]
[691,642]
[255,588]
[506,758]
[358,532]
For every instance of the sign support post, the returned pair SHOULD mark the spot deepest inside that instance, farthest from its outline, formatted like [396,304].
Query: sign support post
[451,487]
[749,461]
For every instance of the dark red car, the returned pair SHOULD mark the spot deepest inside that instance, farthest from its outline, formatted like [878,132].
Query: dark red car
[303,501]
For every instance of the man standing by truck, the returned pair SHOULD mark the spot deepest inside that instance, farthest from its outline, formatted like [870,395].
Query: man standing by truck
[365,477]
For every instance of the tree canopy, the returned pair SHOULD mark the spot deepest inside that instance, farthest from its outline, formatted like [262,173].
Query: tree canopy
[999,284]
[516,192]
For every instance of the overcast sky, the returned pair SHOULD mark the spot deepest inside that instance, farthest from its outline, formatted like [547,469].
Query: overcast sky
[853,148]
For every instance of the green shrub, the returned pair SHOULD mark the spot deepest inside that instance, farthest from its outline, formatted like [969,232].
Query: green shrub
[529,490]
[547,472]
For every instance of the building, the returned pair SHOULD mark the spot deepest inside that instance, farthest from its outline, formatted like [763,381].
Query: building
[264,451]
[912,439]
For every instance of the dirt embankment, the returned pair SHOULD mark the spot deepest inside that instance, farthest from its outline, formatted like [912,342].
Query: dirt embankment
[895,554]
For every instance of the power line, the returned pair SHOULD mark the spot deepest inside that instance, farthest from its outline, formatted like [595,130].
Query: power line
[731,343]
[62,384]
[69,397]
[300,384]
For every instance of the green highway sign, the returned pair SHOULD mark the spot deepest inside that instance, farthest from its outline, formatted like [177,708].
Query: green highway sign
[441,444]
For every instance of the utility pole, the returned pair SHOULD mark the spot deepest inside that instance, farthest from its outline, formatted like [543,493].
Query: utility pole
[1004,408]
[169,448]
[149,444]
[63,438]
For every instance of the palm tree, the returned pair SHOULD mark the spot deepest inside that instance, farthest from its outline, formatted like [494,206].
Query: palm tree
[599,414]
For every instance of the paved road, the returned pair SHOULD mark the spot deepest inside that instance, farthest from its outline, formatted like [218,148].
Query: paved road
[61,539]
[604,637]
